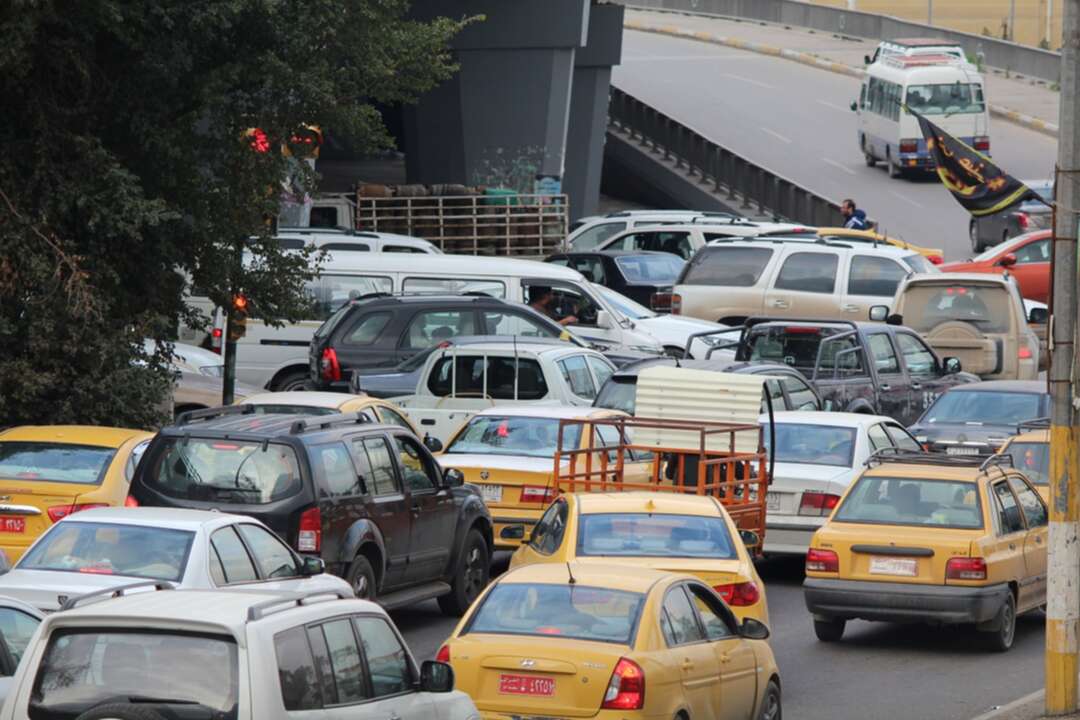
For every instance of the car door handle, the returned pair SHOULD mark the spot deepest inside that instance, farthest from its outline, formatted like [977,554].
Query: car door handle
[416,509]
[1012,546]
[916,386]
[687,664]
[778,303]
[850,308]
[725,658]
[427,421]
[1038,540]
[885,387]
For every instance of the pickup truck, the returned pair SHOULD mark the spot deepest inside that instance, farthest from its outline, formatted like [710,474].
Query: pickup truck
[460,380]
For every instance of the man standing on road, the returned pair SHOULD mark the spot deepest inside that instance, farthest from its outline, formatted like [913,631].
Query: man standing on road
[854,219]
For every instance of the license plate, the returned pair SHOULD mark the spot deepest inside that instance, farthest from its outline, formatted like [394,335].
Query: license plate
[526,685]
[12,524]
[960,450]
[491,493]
[893,566]
[772,501]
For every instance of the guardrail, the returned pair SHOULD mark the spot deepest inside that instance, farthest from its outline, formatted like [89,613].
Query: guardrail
[1016,58]
[729,172]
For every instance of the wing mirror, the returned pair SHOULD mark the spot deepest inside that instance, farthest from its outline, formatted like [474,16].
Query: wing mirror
[453,477]
[311,566]
[879,313]
[750,538]
[603,319]
[867,59]
[1039,316]
[432,443]
[952,365]
[436,677]
[752,629]
[1008,260]
[354,383]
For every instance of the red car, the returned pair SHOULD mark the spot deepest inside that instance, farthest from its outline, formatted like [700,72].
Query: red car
[1027,258]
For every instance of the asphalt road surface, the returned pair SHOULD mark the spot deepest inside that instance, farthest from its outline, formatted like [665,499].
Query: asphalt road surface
[796,121]
[879,671]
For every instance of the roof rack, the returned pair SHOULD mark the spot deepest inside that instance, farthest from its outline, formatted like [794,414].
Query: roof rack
[913,457]
[209,413]
[1042,423]
[287,602]
[115,592]
[320,422]
[761,320]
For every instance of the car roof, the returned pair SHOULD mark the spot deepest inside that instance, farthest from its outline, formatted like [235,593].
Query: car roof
[922,471]
[628,578]
[469,266]
[647,502]
[817,417]
[1018,386]
[251,425]
[73,434]
[555,412]
[952,278]
[173,518]
[311,398]
[502,345]
[814,241]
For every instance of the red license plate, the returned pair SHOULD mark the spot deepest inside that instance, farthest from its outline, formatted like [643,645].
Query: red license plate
[526,685]
[12,524]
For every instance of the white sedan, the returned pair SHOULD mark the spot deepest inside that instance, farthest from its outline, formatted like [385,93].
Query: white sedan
[99,549]
[818,454]
[673,332]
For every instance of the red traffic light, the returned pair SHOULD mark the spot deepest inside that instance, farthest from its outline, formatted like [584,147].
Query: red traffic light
[240,303]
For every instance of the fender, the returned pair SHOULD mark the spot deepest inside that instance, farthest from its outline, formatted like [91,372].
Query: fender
[472,509]
[361,532]
[861,405]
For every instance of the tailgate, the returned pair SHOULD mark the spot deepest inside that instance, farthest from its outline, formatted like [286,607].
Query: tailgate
[982,355]
[889,553]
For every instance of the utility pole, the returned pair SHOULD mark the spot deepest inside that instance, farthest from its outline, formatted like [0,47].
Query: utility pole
[1012,20]
[1063,568]
[1049,24]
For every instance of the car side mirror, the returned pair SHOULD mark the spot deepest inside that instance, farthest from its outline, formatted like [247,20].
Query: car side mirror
[752,629]
[436,677]
[952,365]
[1039,316]
[432,443]
[603,319]
[867,59]
[894,319]
[750,538]
[354,383]
[879,313]
[854,106]
[453,477]
[311,566]
[1007,260]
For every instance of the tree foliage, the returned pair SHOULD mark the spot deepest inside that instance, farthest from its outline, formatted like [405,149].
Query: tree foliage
[125,173]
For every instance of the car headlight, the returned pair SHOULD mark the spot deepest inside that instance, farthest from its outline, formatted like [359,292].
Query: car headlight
[654,349]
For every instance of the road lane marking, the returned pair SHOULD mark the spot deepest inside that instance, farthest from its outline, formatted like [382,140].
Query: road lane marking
[665,58]
[749,80]
[838,166]
[776,135]
[1009,707]
[834,106]
[905,198]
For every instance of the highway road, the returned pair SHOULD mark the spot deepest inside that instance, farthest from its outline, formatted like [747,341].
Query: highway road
[879,671]
[796,121]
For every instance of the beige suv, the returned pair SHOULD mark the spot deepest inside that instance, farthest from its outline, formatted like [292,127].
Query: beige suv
[976,317]
[731,280]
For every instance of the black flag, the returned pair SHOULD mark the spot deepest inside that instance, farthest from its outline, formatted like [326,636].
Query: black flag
[976,183]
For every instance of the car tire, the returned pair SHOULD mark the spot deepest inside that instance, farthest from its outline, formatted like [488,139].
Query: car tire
[470,577]
[1001,638]
[895,170]
[829,630]
[361,577]
[121,711]
[771,708]
[297,380]
[973,233]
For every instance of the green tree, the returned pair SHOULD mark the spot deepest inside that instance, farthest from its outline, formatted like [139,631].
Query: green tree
[126,175]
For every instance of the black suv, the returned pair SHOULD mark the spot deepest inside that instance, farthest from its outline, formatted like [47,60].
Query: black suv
[369,499]
[380,331]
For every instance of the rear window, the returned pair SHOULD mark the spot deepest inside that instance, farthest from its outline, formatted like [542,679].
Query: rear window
[910,501]
[653,269]
[332,322]
[654,535]
[478,376]
[570,611]
[814,444]
[727,266]
[110,549]
[987,307]
[617,394]
[271,409]
[1032,459]
[54,462]
[798,347]
[227,471]
[530,436]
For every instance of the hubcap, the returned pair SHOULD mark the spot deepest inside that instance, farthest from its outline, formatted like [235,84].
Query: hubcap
[772,708]
[1008,624]
[361,586]
[474,573]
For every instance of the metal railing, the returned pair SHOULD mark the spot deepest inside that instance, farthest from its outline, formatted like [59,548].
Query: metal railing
[729,173]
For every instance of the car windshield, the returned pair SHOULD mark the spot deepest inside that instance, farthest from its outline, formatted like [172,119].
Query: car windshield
[617,395]
[569,611]
[912,501]
[226,471]
[501,435]
[284,409]
[624,305]
[111,549]
[54,462]
[813,444]
[1032,459]
[946,98]
[84,668]
[985,407]
[987,307]
[1006,247]
[332,322]
[654,535]
[651,269]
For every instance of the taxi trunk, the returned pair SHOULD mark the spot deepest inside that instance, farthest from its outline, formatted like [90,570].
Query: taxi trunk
[26,511]
[556,678]
[891,553]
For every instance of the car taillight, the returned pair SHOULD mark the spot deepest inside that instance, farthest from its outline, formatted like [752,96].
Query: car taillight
[59,512]
[660,301]
[1022,220]
[909,146]
[130,501]
[1025,353]
[739,594]
[215,340]
[537,493]
[443,655]
[982,143]
[817,504]
[962,568]
[676,304]
[822,561]
[310,537]
[936,260]
[626,689]
[799,330]
[329,368]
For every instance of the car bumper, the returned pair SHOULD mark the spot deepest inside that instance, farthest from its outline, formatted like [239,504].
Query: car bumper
[902,602]
[790,538]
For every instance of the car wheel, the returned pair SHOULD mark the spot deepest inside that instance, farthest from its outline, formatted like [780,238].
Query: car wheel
[895,170]
[1001,638]
[471,576]
[770,704]
[973,234]
[870,160]
[674,351]
[361,577]
[121,711]
[829,630]
[297,380]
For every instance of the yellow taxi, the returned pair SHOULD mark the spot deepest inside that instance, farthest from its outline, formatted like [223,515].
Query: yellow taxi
[48,472]
[509,454]
[614,643]
[680,533]
[934,255]
[936,539]
[1030,453]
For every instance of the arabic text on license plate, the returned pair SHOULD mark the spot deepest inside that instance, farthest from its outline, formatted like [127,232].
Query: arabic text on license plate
[12,524]
[893,566]
[961,450]
[491,493]
[772,501]
[526,685]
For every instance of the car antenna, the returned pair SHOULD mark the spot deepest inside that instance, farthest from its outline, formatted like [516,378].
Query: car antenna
[572,580]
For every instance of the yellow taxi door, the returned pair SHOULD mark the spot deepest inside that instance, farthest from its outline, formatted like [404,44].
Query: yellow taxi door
[1005,560]
[692,656]
[1035,543]
[735,657]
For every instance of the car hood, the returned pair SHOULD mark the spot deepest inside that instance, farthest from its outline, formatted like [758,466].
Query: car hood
[963,266]
[43,588]
[675,328]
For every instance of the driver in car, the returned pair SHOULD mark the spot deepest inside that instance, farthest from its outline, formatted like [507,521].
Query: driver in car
[542,299]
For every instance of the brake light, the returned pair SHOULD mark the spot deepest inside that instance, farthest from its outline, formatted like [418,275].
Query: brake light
[739,594]
[310,537]
[962,568]
[1025,353]
[676,304]
[660,301]
[909,146]
[443,655]
[626,689]
[982,143]
[537,494]
[822,561]
[1022,220]
[130,501]
[59,512]
[801,330]
[936,260]
[956,291]
[817,504]
[329,367]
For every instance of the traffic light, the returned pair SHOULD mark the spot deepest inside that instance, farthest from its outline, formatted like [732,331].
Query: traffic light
[238,317]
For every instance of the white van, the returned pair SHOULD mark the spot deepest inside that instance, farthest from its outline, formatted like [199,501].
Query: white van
[947,91]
